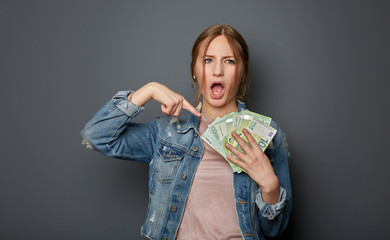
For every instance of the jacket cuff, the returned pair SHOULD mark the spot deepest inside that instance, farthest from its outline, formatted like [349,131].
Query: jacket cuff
[271,211]
[127,107]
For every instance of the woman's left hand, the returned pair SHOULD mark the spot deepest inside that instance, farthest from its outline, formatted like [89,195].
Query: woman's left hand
[257,165]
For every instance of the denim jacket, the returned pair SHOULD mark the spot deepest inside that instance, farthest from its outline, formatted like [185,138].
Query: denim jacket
[172,148]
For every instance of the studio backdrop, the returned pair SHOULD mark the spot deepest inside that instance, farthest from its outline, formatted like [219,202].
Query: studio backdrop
[318,68]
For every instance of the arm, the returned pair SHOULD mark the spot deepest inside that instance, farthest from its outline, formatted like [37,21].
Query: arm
[274,218]
[112,133]
[274,195]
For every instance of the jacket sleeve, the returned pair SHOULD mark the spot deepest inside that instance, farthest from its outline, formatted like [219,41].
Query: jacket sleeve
[111,132]
[274,218]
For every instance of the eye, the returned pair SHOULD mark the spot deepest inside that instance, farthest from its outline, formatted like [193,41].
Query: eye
[208,60]
[231,61]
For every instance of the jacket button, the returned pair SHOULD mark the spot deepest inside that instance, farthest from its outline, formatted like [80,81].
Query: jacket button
[164,238]
[195,149]
[183,176]
[173,208]
[196,135]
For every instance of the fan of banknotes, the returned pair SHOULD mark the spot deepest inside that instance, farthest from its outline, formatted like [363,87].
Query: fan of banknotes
[219,132]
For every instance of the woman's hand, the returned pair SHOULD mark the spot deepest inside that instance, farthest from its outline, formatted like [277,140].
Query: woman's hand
[171,102]
[257,165]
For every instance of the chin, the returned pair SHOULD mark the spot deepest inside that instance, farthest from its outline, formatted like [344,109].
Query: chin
[217,102]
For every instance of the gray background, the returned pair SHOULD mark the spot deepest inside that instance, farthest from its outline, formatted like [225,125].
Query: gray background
[319,68]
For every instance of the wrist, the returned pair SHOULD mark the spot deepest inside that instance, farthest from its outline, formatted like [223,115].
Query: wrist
[270,193]
[271,186]
[142,95]
[130,96]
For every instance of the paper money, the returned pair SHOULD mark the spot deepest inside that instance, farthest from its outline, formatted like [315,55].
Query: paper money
[220,132]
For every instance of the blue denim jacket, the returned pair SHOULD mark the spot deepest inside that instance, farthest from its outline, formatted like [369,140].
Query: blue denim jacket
[172,148]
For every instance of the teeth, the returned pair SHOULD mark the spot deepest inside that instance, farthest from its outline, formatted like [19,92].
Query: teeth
[217,88]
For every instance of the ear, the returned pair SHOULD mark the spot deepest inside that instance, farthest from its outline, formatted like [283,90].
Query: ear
[194,83]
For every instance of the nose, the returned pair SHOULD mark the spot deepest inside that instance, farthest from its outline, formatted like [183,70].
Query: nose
[218,69]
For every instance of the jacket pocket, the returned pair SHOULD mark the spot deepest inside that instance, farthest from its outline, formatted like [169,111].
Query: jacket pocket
[167,161]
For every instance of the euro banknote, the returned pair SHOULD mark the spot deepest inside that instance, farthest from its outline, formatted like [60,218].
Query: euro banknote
[219,132]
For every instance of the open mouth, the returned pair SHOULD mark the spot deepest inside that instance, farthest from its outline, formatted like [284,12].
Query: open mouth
[217,90]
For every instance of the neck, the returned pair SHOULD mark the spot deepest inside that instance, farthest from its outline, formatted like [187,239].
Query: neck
[213,112]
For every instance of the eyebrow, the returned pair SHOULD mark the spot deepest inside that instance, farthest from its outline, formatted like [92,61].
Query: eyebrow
[213,56]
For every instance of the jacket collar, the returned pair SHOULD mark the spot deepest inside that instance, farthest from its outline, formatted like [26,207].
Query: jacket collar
[240,105]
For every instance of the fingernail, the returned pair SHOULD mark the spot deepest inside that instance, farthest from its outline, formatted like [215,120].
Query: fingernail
[244,130]
[234,134]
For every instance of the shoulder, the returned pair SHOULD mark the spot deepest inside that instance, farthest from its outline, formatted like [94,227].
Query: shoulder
[280,139]
[279,134]
[275,125]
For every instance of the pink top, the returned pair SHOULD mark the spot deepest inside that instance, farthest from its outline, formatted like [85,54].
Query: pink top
[210,211]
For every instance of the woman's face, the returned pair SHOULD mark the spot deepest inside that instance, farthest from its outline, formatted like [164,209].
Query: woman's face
[215,73]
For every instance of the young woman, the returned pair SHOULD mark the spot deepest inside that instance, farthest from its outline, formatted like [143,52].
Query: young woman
[193,193]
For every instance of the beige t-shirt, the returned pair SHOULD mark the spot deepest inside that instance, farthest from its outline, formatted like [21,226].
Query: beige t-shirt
[210,211]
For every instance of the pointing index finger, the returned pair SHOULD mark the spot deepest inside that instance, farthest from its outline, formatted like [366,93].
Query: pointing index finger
[189,107]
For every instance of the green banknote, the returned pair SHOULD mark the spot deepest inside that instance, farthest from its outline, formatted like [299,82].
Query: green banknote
[261,132]
[220,132]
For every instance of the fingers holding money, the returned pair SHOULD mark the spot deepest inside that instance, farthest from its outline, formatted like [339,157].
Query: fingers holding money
[252,159]
[251,140]
[249,149]
[237,157]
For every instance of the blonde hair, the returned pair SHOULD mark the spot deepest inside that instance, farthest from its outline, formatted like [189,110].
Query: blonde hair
[240,51]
